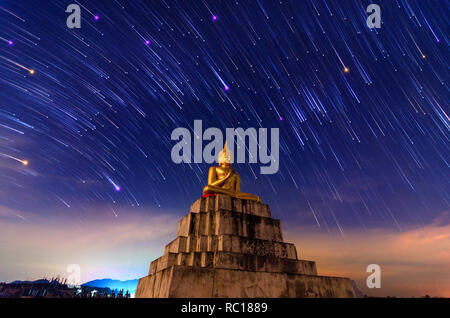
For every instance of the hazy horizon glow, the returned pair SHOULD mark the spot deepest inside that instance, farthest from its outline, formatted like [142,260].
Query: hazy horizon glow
[414,262]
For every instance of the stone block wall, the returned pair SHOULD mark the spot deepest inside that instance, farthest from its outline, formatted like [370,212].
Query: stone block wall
[227,247]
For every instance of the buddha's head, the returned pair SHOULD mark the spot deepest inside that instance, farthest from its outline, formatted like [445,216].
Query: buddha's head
[225,157]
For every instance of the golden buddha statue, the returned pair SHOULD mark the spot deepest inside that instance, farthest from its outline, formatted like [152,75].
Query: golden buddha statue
[225,180]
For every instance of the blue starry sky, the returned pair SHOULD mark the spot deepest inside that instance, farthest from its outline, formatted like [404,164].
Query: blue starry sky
[86,114]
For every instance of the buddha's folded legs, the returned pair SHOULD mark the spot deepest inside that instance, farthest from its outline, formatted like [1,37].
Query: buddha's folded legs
[239,195]
[213,189]
[247,196]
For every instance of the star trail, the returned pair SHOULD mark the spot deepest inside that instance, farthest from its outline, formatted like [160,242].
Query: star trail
[86,114]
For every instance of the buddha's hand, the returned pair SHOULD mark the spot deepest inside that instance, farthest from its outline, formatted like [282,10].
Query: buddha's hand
[221,181]
[229,174]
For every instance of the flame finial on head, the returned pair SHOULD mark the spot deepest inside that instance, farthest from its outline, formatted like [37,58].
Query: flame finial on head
[225,156]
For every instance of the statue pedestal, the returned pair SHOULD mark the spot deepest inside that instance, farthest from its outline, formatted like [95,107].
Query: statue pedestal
[228,247]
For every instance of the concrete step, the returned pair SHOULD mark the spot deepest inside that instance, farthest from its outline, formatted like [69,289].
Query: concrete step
[199,282]
[260,263]
[165,261]
[231,243]
[227,203]
[237,261]
[230,222]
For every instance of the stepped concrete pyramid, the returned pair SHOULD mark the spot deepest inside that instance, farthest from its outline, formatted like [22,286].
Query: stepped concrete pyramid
[230,247]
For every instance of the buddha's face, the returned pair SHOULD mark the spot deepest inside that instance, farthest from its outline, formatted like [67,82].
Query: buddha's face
[225,158]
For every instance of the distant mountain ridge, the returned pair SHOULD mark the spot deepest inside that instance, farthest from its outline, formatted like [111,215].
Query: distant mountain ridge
[114,284]
[38,281]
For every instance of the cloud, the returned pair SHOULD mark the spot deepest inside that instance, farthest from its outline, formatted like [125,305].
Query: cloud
[414,262]
[33,246]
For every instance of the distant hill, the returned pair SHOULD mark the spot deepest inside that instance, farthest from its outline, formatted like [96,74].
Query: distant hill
[114,284]
[39,281]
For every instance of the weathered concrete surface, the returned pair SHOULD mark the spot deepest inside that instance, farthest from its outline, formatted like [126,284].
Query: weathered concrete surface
[231,223]
[227,260]
[186,282]
[227,247]
[231,243]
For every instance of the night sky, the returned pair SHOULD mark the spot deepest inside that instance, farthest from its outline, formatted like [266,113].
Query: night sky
[86,114]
